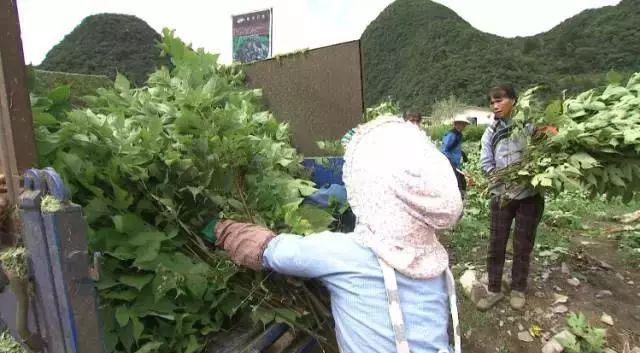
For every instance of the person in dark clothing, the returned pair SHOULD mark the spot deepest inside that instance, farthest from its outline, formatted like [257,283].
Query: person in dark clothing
[452,148]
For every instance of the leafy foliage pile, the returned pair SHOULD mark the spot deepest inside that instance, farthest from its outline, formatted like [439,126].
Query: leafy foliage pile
[597,148]
[107,44]
[418,52]
[151,166]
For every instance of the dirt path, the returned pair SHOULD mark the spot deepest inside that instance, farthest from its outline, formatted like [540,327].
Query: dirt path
[606,285]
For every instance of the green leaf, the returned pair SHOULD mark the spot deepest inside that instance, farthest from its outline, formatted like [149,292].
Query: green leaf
[287,316]
[615,175]
[583,160]
[193,345]
[144,239]
[137,326]
[197,285]
[553,111]
[111,341]
[614,92]
[44,119]
[60,94]
[150,347]
[119,294]
[308,220]
[137,281]
[122,315]
[122,84]
[122,198]
[126,338]
[262,315]
[632,136]
[148,252]
[129,223]
[95,209]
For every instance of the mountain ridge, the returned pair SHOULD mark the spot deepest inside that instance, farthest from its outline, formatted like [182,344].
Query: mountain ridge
[419,51]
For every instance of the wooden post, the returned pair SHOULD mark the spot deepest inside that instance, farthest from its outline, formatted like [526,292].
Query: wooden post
[17,141]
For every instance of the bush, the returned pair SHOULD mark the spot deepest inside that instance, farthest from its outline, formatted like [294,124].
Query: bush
[80,84]
[474,132]
[471,133]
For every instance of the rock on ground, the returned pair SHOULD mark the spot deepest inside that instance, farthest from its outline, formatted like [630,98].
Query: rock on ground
[560,309]
[525,336]
[466,281]
[559,299]
[607,319]
[552,347]
[573,281]
[603,294]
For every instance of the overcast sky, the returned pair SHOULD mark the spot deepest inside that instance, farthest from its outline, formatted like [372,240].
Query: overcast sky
[298,24]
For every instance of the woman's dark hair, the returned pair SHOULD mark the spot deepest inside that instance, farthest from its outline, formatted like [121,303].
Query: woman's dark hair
[406,115]
[503,91]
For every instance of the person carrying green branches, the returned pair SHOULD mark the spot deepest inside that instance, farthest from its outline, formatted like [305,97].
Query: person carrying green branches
[501,148]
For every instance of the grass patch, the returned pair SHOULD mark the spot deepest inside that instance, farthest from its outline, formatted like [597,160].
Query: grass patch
[470,317]
[629,245]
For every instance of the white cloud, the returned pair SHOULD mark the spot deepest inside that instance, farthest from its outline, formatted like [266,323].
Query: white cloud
[297,23]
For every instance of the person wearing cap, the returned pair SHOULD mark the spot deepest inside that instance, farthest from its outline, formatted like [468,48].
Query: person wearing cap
[389,279]
[452,148]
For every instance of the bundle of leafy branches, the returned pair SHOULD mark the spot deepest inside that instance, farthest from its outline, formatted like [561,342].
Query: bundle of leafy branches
[597,148]
[151,166]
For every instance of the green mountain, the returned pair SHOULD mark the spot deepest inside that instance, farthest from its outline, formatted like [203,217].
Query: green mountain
[418,51]
[105,44]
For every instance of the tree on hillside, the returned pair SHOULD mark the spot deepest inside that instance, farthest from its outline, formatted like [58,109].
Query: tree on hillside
[447,109]
[106,44]
[419,52]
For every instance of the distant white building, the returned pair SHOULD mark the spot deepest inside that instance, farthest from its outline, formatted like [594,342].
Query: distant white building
[475,115]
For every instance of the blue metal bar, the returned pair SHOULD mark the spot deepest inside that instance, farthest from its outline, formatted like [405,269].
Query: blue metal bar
[267,338]
[306,346]
[46,303]
[65,230]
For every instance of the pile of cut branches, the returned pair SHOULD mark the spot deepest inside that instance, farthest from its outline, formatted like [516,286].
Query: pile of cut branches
[151,166]
[597,148]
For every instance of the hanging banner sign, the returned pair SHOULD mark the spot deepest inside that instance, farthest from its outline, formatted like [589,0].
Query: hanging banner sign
[252,36]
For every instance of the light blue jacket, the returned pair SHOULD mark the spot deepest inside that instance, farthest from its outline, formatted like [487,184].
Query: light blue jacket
[358,297]
[500,149]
